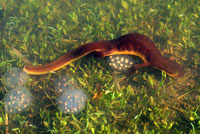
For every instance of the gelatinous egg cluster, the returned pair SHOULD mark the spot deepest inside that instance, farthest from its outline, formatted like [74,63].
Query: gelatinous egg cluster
[17,100]
[64,83]
[72,101]
[14,77]
[120,62]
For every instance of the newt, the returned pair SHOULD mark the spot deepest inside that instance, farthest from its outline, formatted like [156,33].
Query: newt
[130,44]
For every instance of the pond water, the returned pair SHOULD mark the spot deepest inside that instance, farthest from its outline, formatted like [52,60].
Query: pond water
[99,87]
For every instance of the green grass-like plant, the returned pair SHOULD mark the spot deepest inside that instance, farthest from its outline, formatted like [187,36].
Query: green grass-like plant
[147,101]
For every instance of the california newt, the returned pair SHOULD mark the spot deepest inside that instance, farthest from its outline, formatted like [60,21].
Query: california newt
[129,44]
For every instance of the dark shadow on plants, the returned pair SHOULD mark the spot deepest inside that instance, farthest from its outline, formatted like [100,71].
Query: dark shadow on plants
[185,125]
[38,122]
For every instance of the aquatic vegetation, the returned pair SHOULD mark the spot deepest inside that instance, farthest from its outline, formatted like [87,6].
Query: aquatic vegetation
[64,83]
[17,100]
[121,62]
[14,77]
[72,101]
[145,103]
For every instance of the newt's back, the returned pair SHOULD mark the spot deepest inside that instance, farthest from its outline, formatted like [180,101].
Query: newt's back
[138,43]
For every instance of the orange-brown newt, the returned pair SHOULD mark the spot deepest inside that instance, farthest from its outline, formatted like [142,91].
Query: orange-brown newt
[129,44]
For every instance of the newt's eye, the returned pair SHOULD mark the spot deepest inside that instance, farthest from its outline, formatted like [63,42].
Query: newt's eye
[120,62]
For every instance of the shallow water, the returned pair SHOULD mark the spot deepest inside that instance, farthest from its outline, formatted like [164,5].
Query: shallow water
[146,100]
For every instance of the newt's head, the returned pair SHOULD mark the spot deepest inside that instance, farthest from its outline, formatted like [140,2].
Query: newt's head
[177,70]
[172,68]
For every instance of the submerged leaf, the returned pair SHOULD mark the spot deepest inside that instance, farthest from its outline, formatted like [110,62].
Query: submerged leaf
[124,4]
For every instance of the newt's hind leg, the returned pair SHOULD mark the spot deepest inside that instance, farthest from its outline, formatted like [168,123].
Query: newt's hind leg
[135,67]
[142,65]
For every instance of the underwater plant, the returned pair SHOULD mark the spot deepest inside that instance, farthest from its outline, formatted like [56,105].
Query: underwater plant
[64,83]
[120,63]
[72,101]
[17,100]
[14,77]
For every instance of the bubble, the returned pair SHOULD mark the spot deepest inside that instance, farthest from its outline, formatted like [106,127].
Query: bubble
[14,77]
[64,83]
[17,100]
[120,62]
[72,101]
